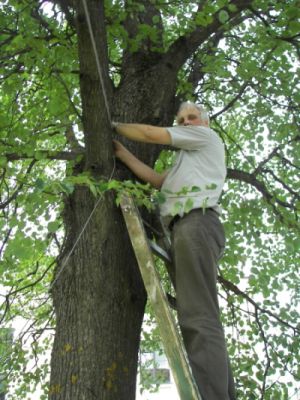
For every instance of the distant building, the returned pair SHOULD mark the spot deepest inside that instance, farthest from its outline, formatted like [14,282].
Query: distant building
[155,368]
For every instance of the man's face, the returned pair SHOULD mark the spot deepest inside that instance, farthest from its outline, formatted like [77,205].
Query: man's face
[189,116]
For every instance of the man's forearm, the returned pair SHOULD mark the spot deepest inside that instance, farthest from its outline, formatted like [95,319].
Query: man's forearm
[137,132]
[143,133]
[142,171]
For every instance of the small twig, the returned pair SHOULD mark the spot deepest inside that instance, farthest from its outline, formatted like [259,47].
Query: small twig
[232,287]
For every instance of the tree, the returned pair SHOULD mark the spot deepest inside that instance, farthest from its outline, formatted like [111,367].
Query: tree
[59,219]
[6,336]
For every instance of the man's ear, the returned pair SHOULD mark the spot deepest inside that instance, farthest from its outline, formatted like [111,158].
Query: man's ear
[204,123]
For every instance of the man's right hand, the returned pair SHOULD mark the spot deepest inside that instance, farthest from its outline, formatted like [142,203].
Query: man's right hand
[140,169]
[120,150]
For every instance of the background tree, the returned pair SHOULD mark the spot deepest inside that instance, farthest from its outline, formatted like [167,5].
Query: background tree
[6,336]
[59,222]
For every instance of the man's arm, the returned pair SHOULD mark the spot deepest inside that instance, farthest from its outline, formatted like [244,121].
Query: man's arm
[140,169]
[143,133]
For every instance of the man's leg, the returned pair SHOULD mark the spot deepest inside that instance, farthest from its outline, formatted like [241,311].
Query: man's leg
[198,240]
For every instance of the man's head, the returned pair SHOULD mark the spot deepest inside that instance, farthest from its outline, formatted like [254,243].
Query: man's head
[192,114]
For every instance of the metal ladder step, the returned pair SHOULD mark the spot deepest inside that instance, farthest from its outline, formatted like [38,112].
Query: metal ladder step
[160,252]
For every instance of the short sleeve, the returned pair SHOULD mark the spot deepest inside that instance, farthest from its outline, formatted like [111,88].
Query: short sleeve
[189,137]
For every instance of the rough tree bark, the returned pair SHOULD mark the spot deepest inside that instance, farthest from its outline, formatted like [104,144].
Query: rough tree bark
[99,298]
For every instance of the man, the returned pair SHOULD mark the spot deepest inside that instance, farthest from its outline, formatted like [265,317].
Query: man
[192,188]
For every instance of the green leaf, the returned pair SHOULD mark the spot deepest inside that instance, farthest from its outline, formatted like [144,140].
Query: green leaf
[103,186]
[203,19]
[53,226]
[159,166]
[3,161]
[223,16]
[177,208]
[211,186]
[39,184]
[188,205]
[155,19]
[160,197]
[232,7]
[113,184]
[294,27]
[93,189]
[67,187]
[39,155]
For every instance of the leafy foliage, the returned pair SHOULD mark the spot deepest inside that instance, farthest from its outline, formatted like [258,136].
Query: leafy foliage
[245,71]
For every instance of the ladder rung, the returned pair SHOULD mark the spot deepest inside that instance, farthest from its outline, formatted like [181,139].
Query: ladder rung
[160,252]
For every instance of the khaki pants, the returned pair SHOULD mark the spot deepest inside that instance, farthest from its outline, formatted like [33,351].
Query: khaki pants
[197,244]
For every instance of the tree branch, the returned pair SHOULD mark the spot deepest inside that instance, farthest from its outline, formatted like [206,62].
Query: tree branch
[274,153]
[233,288]
[46,154]
[197,72]
[69,95]
[260,186]
[186,45]
[66,6]
[31,284]
[144,15]
[265,342]
[72,140]
[233,100]
[18,189]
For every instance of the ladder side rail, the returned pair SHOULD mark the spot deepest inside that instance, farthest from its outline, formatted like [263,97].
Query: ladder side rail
[172,343]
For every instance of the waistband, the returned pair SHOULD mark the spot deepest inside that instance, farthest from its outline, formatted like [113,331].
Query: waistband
[169,222]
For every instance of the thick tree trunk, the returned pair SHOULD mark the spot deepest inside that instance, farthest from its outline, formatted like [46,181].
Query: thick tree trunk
[99,296]
[99,301]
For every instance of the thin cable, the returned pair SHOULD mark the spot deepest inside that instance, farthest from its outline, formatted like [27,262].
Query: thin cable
[99,68]
[75,244]
[81,232]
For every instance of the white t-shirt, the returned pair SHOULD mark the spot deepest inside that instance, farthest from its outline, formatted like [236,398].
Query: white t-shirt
[197,177]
